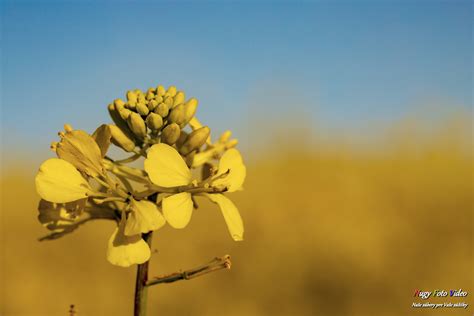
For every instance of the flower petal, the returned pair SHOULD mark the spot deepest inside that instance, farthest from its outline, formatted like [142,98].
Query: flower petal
[178,209]
[231,161]
[58,181]
[144,217]
[231,215]
[166,167]
[82,151]
[102,136]
[124,251]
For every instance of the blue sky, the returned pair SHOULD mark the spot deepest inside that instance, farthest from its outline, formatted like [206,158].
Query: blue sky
[337,62]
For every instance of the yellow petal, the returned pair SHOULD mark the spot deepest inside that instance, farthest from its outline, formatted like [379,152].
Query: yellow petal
[58,181]
[166,167]
[82,151]
[144,217]
[125,251]
[178,209]
[102,136]
[231,215]
[231,161]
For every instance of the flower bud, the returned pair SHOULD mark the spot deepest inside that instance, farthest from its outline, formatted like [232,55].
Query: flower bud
[171,91]
[168,101]
[181,139]
[137,125]
[160,90]
[177,114]
[132,97]
[178,98]
[154,121]
[119,102]
[152,104]
[170,134]
[142,109]
[149,95]
[195,140]
[124,113]
[162,110]
[190,108]
[159,99]
[120,139]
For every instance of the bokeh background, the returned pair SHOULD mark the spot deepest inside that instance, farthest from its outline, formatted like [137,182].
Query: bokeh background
[354,118]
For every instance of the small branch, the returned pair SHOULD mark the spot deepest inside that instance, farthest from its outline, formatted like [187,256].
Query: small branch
[216,264]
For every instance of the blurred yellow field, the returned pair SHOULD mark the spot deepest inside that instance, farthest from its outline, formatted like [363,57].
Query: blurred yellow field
[338,229]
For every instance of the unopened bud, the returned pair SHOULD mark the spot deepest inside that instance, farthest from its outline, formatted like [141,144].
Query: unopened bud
[168,101]
[150,95]
[152,104]
[142,109]
[181,139]
[177,114]
[225,136]
[160,90]
[137,125]
[120,139]
[179,98]
[162,110]
[132,97]
[119,102]
[170,134]
[159,99]
[171,91]
[190,108]
[125,113]
[154,121]
[195,140]
[117,118]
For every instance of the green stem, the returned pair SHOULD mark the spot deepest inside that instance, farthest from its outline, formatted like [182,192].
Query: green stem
[140,285]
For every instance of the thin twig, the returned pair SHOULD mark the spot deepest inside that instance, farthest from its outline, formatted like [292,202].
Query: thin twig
[216,264]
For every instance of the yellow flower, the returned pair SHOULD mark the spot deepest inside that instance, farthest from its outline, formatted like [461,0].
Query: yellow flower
[123,250]
[59,181]
[143,218]
[166,168]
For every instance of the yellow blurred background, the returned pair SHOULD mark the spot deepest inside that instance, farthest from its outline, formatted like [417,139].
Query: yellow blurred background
[333,227]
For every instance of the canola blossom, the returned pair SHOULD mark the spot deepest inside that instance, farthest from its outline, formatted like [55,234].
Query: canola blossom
[159,126]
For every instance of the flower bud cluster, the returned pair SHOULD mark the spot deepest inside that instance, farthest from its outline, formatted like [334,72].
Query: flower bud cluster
[158,115]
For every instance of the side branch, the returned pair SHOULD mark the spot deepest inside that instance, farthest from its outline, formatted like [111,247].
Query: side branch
[216,264]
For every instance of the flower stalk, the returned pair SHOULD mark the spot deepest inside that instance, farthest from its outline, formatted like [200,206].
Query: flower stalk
[141,290]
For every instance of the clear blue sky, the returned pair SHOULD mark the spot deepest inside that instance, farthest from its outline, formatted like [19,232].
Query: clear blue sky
[338,62]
